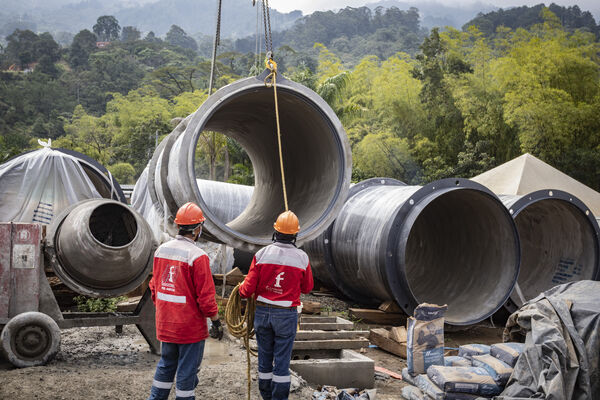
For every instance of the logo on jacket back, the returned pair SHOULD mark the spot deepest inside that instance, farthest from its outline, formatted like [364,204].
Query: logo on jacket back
[169,277]
[278,279]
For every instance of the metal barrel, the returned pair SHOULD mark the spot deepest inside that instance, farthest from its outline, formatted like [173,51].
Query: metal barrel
[449,242]
[559,242]
[315,149]
[100,248]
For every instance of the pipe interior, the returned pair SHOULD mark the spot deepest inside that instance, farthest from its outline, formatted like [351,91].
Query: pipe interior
[113,225]
[313,158]
[462,252]
[557,246]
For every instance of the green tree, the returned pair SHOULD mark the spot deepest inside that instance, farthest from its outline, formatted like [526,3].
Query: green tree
[177,37]
[107,28]
[84,43]
[130,34]
[124,173]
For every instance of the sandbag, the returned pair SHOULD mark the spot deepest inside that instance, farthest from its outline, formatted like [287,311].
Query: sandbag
[472,380]
[407,377]
[413,393]
[425,338]
[469,350]
[498,369]
[456,361]
[507,352]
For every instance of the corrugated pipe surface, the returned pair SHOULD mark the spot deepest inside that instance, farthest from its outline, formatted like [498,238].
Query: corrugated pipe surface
[449,242]
[559,242]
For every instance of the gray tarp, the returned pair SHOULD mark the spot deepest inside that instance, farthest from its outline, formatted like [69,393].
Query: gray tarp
[561,357]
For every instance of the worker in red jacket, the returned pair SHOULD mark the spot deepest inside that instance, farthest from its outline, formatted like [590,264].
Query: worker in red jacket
[277,276]
[184,295]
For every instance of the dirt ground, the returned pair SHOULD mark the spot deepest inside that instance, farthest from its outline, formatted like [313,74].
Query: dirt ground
[97,363]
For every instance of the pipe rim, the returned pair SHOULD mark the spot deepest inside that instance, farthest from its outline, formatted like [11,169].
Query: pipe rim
[395,265]
[522,202]
[221,231]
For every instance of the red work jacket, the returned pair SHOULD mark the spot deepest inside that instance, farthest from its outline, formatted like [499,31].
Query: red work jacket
[183,292]
[278,274]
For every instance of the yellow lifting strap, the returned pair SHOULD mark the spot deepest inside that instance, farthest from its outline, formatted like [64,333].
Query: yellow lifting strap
[271,81]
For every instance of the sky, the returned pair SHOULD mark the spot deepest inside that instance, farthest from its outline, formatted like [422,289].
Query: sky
[308,6]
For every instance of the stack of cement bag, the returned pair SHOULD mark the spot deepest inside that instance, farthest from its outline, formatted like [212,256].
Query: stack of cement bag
[479,371]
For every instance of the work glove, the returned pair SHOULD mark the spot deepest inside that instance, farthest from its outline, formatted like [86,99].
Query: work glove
[216,330]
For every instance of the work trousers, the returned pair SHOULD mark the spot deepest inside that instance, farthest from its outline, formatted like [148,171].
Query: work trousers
[182,360]
[275,333]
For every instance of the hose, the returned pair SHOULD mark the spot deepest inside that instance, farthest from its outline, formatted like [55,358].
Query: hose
[241,325]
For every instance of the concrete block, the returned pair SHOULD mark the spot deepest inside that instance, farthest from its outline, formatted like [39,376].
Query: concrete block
[342,368]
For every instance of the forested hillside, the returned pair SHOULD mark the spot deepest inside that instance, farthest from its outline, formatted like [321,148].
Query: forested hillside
[417,105]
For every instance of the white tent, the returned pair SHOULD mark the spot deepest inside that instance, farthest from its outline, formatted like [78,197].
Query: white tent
[526,174]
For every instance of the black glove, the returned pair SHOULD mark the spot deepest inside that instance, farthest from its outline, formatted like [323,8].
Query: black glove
[216,330]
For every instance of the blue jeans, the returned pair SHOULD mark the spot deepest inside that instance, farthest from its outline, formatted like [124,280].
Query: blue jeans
[183,360]
[275,333]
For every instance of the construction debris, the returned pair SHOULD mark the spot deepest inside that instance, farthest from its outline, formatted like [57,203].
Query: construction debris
[381,338]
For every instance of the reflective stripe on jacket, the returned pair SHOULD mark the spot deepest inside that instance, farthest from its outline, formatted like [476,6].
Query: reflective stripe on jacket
[183,292]
[278,274]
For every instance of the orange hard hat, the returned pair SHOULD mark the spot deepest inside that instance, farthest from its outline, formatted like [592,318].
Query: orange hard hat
[287,223]
[189,214]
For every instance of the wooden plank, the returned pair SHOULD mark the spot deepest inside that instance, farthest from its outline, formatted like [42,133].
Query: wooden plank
[128,305]
[380,337]
[390,307]
[333,344]
[399,334]
[322,335]
[5,257]
[311,307]
[388,372]
[377,316]
[317,318]
[326,326]
[232,278]
[25,263]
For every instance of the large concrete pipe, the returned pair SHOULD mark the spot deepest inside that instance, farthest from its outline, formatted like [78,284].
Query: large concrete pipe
[449,242]
[100,248]
[316,155]
[559,242]
[319,249]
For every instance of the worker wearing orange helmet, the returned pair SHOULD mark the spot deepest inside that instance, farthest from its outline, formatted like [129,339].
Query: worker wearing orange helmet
[184,295]
[277,276]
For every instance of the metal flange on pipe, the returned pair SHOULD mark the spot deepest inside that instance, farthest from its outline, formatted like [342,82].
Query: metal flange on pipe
[559,242]
[449,242]
[316,156]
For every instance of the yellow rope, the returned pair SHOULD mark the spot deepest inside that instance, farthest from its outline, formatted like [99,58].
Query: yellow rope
[271,80]
[241,325]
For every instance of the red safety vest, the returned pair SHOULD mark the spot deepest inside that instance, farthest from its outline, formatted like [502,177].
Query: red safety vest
[183,292]
[278,274]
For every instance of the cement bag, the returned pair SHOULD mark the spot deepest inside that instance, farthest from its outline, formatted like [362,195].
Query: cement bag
[432,391]
[469,350]
[39,185]
[407,377]
[456,361]
[472,380]
[413,393]
[425,341]
[498,370]
[507,352]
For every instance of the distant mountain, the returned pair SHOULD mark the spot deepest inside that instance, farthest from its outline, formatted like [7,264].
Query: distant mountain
[572,18]
[194,16]
[437,14]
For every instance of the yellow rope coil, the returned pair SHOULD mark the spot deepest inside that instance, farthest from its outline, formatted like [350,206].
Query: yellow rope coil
[241,325]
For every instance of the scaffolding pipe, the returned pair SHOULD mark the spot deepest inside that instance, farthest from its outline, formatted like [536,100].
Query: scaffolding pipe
[449,242]
[559,242]
[316,154]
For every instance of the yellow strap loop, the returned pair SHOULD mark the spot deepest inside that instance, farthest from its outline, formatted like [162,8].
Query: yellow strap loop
[271,81]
